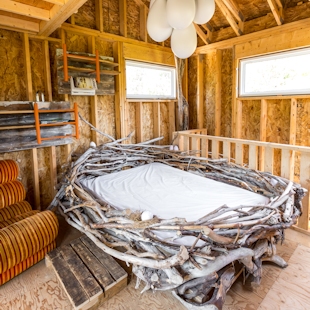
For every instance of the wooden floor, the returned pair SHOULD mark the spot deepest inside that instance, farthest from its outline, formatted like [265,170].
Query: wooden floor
[283,289]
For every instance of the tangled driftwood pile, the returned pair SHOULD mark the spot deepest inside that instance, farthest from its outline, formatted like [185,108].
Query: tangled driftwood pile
[235,240]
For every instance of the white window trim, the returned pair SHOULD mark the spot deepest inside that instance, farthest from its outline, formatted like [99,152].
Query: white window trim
[162,67]
[242,75]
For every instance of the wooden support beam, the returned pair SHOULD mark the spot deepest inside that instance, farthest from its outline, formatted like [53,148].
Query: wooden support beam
[218,93]
[24,10]
[99,15]
[234,9]
[47,71]
[199,95]
[120,91]
[185,80]
[171,113]
[91,47]
[156,119]
[13,23]
[35,176]
[123,17]
[276,11]
[58,2]
[143,17]
[293,128]
[58,15]
[229,17]
[238,118]
[53,170]
[303,221]
[202,35]
[27,70]
[139,122]
[263,132]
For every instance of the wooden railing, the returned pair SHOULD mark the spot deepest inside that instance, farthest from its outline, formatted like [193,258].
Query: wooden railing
[291,161]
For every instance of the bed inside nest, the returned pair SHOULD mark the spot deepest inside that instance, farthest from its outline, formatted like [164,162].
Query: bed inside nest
[184,223]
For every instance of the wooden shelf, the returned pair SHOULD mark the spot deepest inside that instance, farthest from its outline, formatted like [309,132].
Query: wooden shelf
[16,127]
[67,56]
[17,112]
[90,71]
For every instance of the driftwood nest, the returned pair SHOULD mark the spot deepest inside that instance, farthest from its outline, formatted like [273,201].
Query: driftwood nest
[232,244]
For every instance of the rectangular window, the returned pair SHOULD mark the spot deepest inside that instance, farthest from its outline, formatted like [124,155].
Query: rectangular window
[285,73]
[148,81]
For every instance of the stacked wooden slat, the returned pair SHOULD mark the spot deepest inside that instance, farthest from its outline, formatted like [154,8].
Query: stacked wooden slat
[26,235]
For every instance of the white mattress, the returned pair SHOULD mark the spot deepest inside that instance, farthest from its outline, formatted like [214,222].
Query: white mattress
[168,192]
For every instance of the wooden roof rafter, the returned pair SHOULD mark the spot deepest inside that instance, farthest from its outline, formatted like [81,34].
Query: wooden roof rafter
[41,17]
[277,10]
[230,16]
[205,37]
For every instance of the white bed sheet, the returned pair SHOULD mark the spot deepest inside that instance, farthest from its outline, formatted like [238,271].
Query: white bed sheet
[168,192]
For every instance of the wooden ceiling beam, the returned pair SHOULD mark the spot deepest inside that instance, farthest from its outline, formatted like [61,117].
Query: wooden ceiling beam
[58,2]
[20,24]
[24,10]
[59,15]
[233,6]
[226,12]
[202,35]
[277,11]
[300,24]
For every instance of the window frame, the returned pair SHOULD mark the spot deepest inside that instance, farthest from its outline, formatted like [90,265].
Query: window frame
[142,64]
[242,76]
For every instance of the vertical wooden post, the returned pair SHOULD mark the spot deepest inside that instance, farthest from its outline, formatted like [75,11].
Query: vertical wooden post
[263,132]
[123,17]
[47,71]
[253,156]
[156,119]
[234,94]
[143,17]
[185,80]
[199,99]
[269,155]
[120,91]
[53,170]
[139,122]
[293,125]
[91,47]
[226,150]
[171,112]
[218,93]
[215,149]
[99,15]
[67,147]
[28,77]
[238,118]
[29,91]
[239,154]
[303,221]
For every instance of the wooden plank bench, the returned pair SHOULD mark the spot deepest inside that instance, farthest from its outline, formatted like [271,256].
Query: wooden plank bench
[88,275]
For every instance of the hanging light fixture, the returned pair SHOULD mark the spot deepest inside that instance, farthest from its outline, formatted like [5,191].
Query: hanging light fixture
[175,18]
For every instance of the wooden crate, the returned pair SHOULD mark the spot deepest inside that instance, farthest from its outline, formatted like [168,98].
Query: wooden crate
[88,275]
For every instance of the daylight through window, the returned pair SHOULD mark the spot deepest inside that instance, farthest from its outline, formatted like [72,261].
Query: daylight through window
[148,81]
[283,73]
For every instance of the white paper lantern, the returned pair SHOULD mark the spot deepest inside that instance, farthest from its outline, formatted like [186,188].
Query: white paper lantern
[204,11]
[180,13]
[157,25]
[184,42]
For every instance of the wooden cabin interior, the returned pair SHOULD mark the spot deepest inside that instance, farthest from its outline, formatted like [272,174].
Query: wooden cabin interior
[267,132]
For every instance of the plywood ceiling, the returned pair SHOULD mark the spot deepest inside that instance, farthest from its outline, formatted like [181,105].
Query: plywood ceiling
[38,16]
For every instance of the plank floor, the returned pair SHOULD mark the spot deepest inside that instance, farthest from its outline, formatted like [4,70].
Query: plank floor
[281,289]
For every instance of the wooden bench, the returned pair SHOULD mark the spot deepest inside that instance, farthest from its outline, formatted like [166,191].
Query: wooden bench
[88,275]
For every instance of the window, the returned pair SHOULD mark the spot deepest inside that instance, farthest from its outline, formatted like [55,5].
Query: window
[148,81]
[284,73]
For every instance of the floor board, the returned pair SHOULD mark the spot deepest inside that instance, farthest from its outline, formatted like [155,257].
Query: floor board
[281,289]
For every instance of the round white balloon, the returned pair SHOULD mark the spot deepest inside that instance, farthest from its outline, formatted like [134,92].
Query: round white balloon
[184,42]
[157,25]
[204,11]
[180,13]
